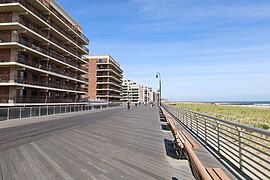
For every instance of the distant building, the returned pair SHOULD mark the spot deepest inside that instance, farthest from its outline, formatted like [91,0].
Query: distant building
[105,78]
[131,91]
[147,95]
[41,49]
[136,93]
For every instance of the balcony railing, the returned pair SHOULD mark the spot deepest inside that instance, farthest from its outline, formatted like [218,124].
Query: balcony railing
[44,51]
[4,78]
[65,21]
[37,30]
[43,67]
[46,19]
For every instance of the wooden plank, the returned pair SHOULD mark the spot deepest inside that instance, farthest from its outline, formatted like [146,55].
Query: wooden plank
[17,167]
[221,174]
[4,167]
[31,169]
[116,144]
[190,140]
[56,166]
[212,173]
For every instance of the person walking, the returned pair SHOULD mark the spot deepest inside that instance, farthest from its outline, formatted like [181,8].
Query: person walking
[128,105]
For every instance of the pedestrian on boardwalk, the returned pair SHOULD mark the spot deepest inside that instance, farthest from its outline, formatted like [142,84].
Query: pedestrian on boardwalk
[128,105]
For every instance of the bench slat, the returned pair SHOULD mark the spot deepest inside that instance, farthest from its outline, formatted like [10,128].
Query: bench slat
[221,174]
[212,173]
[190,140]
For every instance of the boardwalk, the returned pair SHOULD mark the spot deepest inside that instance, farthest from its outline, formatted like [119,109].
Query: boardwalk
[109,144]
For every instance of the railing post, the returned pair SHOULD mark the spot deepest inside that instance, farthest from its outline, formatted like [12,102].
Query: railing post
[184,117]
[192,115]
[197,124]
[205,130]
[218,135]
[7,113]
[20,113]
[181,115]
[240,146]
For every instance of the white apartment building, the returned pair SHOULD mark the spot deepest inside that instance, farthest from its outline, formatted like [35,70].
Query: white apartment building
[131,91]
[136,93]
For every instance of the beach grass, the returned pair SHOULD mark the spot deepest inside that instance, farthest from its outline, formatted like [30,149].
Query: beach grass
[255,117]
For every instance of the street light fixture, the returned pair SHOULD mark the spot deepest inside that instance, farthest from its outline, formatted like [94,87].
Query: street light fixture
[158,76]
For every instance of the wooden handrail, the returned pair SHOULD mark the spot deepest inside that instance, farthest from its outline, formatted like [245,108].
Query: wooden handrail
[193,158]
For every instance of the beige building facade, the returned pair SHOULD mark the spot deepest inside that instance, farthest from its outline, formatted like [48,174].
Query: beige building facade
[41,49]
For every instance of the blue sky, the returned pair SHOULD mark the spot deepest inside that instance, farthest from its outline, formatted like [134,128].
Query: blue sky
[205,50]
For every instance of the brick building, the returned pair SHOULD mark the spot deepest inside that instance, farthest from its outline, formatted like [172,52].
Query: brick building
[105,78]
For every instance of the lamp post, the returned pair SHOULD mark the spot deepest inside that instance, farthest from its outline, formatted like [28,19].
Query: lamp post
[158,76]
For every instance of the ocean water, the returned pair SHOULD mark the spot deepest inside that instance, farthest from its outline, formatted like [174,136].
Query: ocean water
[257,103]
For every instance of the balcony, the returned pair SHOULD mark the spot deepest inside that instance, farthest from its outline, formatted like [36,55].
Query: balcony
[46,67]
[36,29]
[65,21]
[45,18]
[39,82]
[44,51]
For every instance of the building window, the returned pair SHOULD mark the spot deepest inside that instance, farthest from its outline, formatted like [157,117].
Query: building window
[35,62]
[49,94]
[49,66]
[57,95]
[25,40]
[34,77]
[23,75]
[49,79]
[24,57]
[23,92]
[34,93]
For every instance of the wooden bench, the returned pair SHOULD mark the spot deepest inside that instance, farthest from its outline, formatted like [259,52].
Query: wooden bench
[184,145]
[168,117]
[199,171]
[187,138]
[179,136]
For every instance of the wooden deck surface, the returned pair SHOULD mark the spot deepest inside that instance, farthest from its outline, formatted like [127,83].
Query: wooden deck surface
[109,144]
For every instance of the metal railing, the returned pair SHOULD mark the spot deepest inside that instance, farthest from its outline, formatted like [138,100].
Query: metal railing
[26,112]
[245,148]
[4,99]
